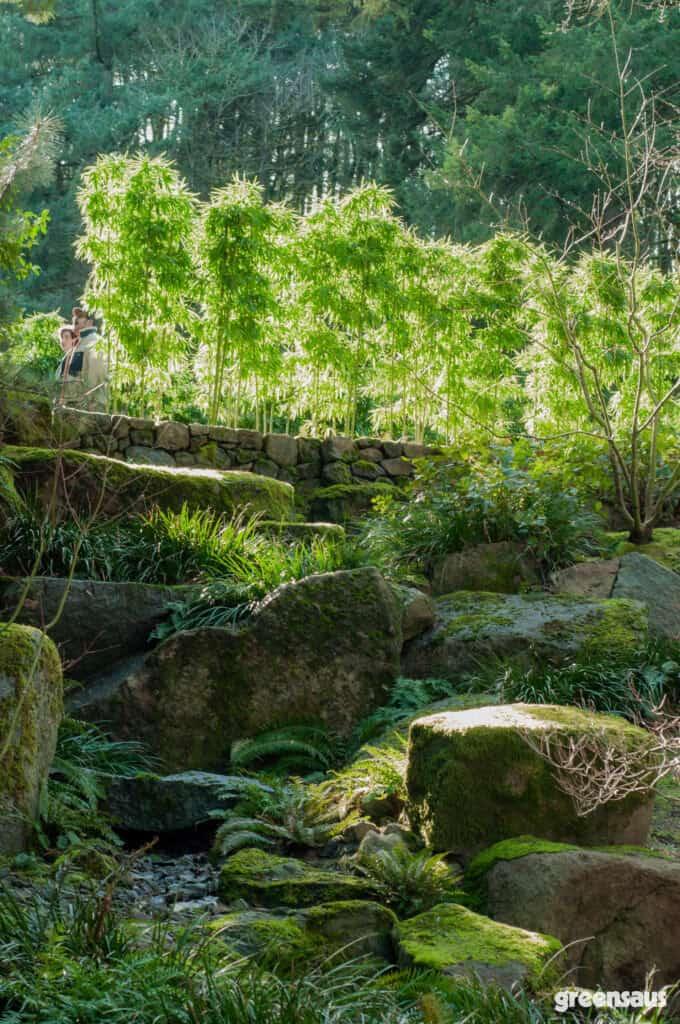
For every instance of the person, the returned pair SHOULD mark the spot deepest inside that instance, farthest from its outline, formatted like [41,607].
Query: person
[82,371]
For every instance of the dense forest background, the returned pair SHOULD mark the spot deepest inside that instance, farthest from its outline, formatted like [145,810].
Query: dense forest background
[476,114]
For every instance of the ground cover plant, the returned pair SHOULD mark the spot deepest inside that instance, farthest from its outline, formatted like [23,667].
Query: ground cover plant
[454,503]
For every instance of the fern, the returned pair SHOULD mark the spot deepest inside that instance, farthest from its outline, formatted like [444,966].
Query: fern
[410,883]
[287,816]
[408,696]
[69,812]
[378,771]
[293,749]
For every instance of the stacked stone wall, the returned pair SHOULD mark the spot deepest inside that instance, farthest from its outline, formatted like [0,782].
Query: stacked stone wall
[310,464]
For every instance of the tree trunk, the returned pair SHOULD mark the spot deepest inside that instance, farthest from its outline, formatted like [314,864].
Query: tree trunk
[641,534]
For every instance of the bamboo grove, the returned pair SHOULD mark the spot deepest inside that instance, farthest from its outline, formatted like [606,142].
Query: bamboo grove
[347,320]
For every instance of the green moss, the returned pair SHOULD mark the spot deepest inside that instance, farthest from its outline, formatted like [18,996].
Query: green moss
[31,703]
[616,634]
[10,501]
[451,936]
[472,612]
[125,485]
[472,782]
[270,881]
[367,489]
[664,547]
[274,941]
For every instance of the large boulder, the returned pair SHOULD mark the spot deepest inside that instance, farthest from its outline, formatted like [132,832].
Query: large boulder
[83,482]
[643,579]
[265,880]
[324,648]
[170,803]
[92,623]
[632,576]
[504,567]
[617,912]
[31,705]
[476,628]
[473,779]
[460,943]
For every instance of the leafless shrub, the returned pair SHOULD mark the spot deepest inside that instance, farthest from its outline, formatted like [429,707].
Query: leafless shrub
[592,770]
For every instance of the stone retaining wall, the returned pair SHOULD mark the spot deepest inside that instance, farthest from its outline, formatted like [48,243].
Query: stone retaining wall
[310,464]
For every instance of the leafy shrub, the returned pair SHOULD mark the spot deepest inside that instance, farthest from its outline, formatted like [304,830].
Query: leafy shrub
[451,505]
[410,883]
[634,691]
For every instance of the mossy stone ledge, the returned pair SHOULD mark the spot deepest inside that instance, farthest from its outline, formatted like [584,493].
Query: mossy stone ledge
[85,481]
[459,943]
[266,880]
[31,706]
[473,780]
[476,628]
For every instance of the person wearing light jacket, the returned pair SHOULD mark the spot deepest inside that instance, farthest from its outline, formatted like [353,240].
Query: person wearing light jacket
[82,371]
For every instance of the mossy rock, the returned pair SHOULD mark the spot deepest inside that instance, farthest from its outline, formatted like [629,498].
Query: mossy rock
[25,417]
[170,803]
[477,628]
[31,706]
[294,531]
[325,648]
[459,943]
[505,567]
[266,880]
[274,941]
[341,503]
[473,780]
[119,616]
[10,502]
[84,481]
[336,931]
[614,909]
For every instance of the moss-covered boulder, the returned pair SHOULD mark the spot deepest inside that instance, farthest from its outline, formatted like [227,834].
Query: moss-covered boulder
[325,648]
[93,623]
[31,705]
[473,779]
[504,568]
[615,910]
[266,880]
[460,943]
[82,482]
[170,803]
[341,930]
[273,940]
[343,502]
[25,417]
[352,928]
[10,501]
[472,629]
